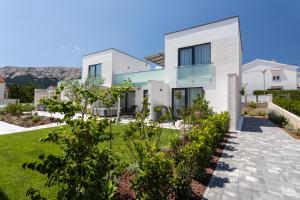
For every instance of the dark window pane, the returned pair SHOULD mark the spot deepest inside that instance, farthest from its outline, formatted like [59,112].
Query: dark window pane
[193,94]
[185,56]
[98,70]
[92,71]
[202,54]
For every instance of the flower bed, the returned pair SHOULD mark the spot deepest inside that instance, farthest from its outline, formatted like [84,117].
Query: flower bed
[26,120]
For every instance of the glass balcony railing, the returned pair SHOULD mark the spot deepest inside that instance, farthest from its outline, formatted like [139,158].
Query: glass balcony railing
[140,78]
[195,74]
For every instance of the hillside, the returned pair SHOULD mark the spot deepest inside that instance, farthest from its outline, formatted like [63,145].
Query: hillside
[41,76]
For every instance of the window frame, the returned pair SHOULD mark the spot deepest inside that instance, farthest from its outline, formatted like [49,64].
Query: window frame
[276,78]
[193,53]
[95,70]
[186,89]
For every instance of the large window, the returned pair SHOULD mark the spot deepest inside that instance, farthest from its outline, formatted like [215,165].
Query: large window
[199,54]
[95,70]
[184,97]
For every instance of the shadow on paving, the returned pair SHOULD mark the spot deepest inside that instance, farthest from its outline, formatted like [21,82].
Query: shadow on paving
[219,179]
[253,124]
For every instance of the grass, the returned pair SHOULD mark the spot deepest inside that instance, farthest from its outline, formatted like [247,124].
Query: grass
[15,149]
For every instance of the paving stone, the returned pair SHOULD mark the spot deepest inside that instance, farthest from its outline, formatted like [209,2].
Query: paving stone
[264,163]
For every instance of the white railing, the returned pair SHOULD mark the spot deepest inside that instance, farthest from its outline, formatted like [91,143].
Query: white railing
[7,101]
[256,98]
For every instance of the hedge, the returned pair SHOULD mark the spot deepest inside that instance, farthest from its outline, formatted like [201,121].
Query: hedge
[276,92]
[290,104]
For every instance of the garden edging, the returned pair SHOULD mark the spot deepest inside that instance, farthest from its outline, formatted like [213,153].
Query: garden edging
[293,119]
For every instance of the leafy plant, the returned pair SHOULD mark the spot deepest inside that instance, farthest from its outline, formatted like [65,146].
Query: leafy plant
[84,169]
[25,93]
[280,120]
[36,119]
[252,105]
[15,109]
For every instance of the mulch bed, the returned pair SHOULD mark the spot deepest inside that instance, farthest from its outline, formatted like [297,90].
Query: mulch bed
[291,133]
[199,187]
[125,191]
[27,120]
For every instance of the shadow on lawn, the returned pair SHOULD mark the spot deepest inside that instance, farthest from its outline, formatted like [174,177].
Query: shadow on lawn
[3,196]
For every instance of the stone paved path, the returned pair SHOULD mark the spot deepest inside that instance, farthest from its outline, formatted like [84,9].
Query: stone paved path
[261,162]
[6,128]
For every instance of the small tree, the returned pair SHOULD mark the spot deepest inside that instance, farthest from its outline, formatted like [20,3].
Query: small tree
[82,170]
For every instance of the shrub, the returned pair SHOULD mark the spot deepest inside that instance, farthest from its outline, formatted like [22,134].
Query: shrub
[14,109]
[252,104]
[182,181]
[287,103]
[36,119]
[280,120]
[154,179]
[277,92]
[262,113]
[27,107]
[196,156]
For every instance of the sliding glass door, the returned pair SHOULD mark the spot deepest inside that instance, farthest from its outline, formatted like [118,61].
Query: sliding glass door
[184,97]
[127,101]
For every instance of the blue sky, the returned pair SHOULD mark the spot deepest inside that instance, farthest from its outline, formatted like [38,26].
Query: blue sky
[59,32]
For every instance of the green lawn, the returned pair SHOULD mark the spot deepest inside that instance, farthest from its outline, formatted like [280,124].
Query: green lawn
[15,149]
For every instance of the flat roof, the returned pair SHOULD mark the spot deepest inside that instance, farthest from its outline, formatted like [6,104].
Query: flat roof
[157,58]
[113,50]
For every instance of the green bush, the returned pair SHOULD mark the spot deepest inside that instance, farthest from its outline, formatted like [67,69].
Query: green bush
[154,180]
[287,103]
[14,109]
[277,92]
[280,120]
[262,113]
[18,108]
[36,119]
[252,104]
[27,107]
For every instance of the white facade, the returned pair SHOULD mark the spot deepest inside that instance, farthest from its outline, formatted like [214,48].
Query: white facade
[218,78]
[262,74]
[113,62]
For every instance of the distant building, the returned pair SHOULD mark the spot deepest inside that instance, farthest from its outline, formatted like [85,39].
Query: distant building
[269,75]
[43,94]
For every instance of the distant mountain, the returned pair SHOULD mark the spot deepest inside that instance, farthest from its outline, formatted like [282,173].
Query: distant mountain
[43,77]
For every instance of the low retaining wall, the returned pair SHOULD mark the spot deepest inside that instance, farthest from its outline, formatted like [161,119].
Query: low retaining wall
[7,101]
[294,120]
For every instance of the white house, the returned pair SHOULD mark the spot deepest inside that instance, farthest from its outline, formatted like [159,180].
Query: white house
[205,58]
[268,75]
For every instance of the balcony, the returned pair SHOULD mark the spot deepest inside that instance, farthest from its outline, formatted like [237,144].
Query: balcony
[195,74]
[139,78]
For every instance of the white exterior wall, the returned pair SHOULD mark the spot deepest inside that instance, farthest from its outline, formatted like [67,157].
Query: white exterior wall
[2,90]
[159,94]
[254,78]
[123,63]
[113,62]
[105,58]
[139,95]
[225,42]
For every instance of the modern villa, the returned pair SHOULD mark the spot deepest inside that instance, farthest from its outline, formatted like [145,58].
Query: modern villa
[268,75]
[202,59]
